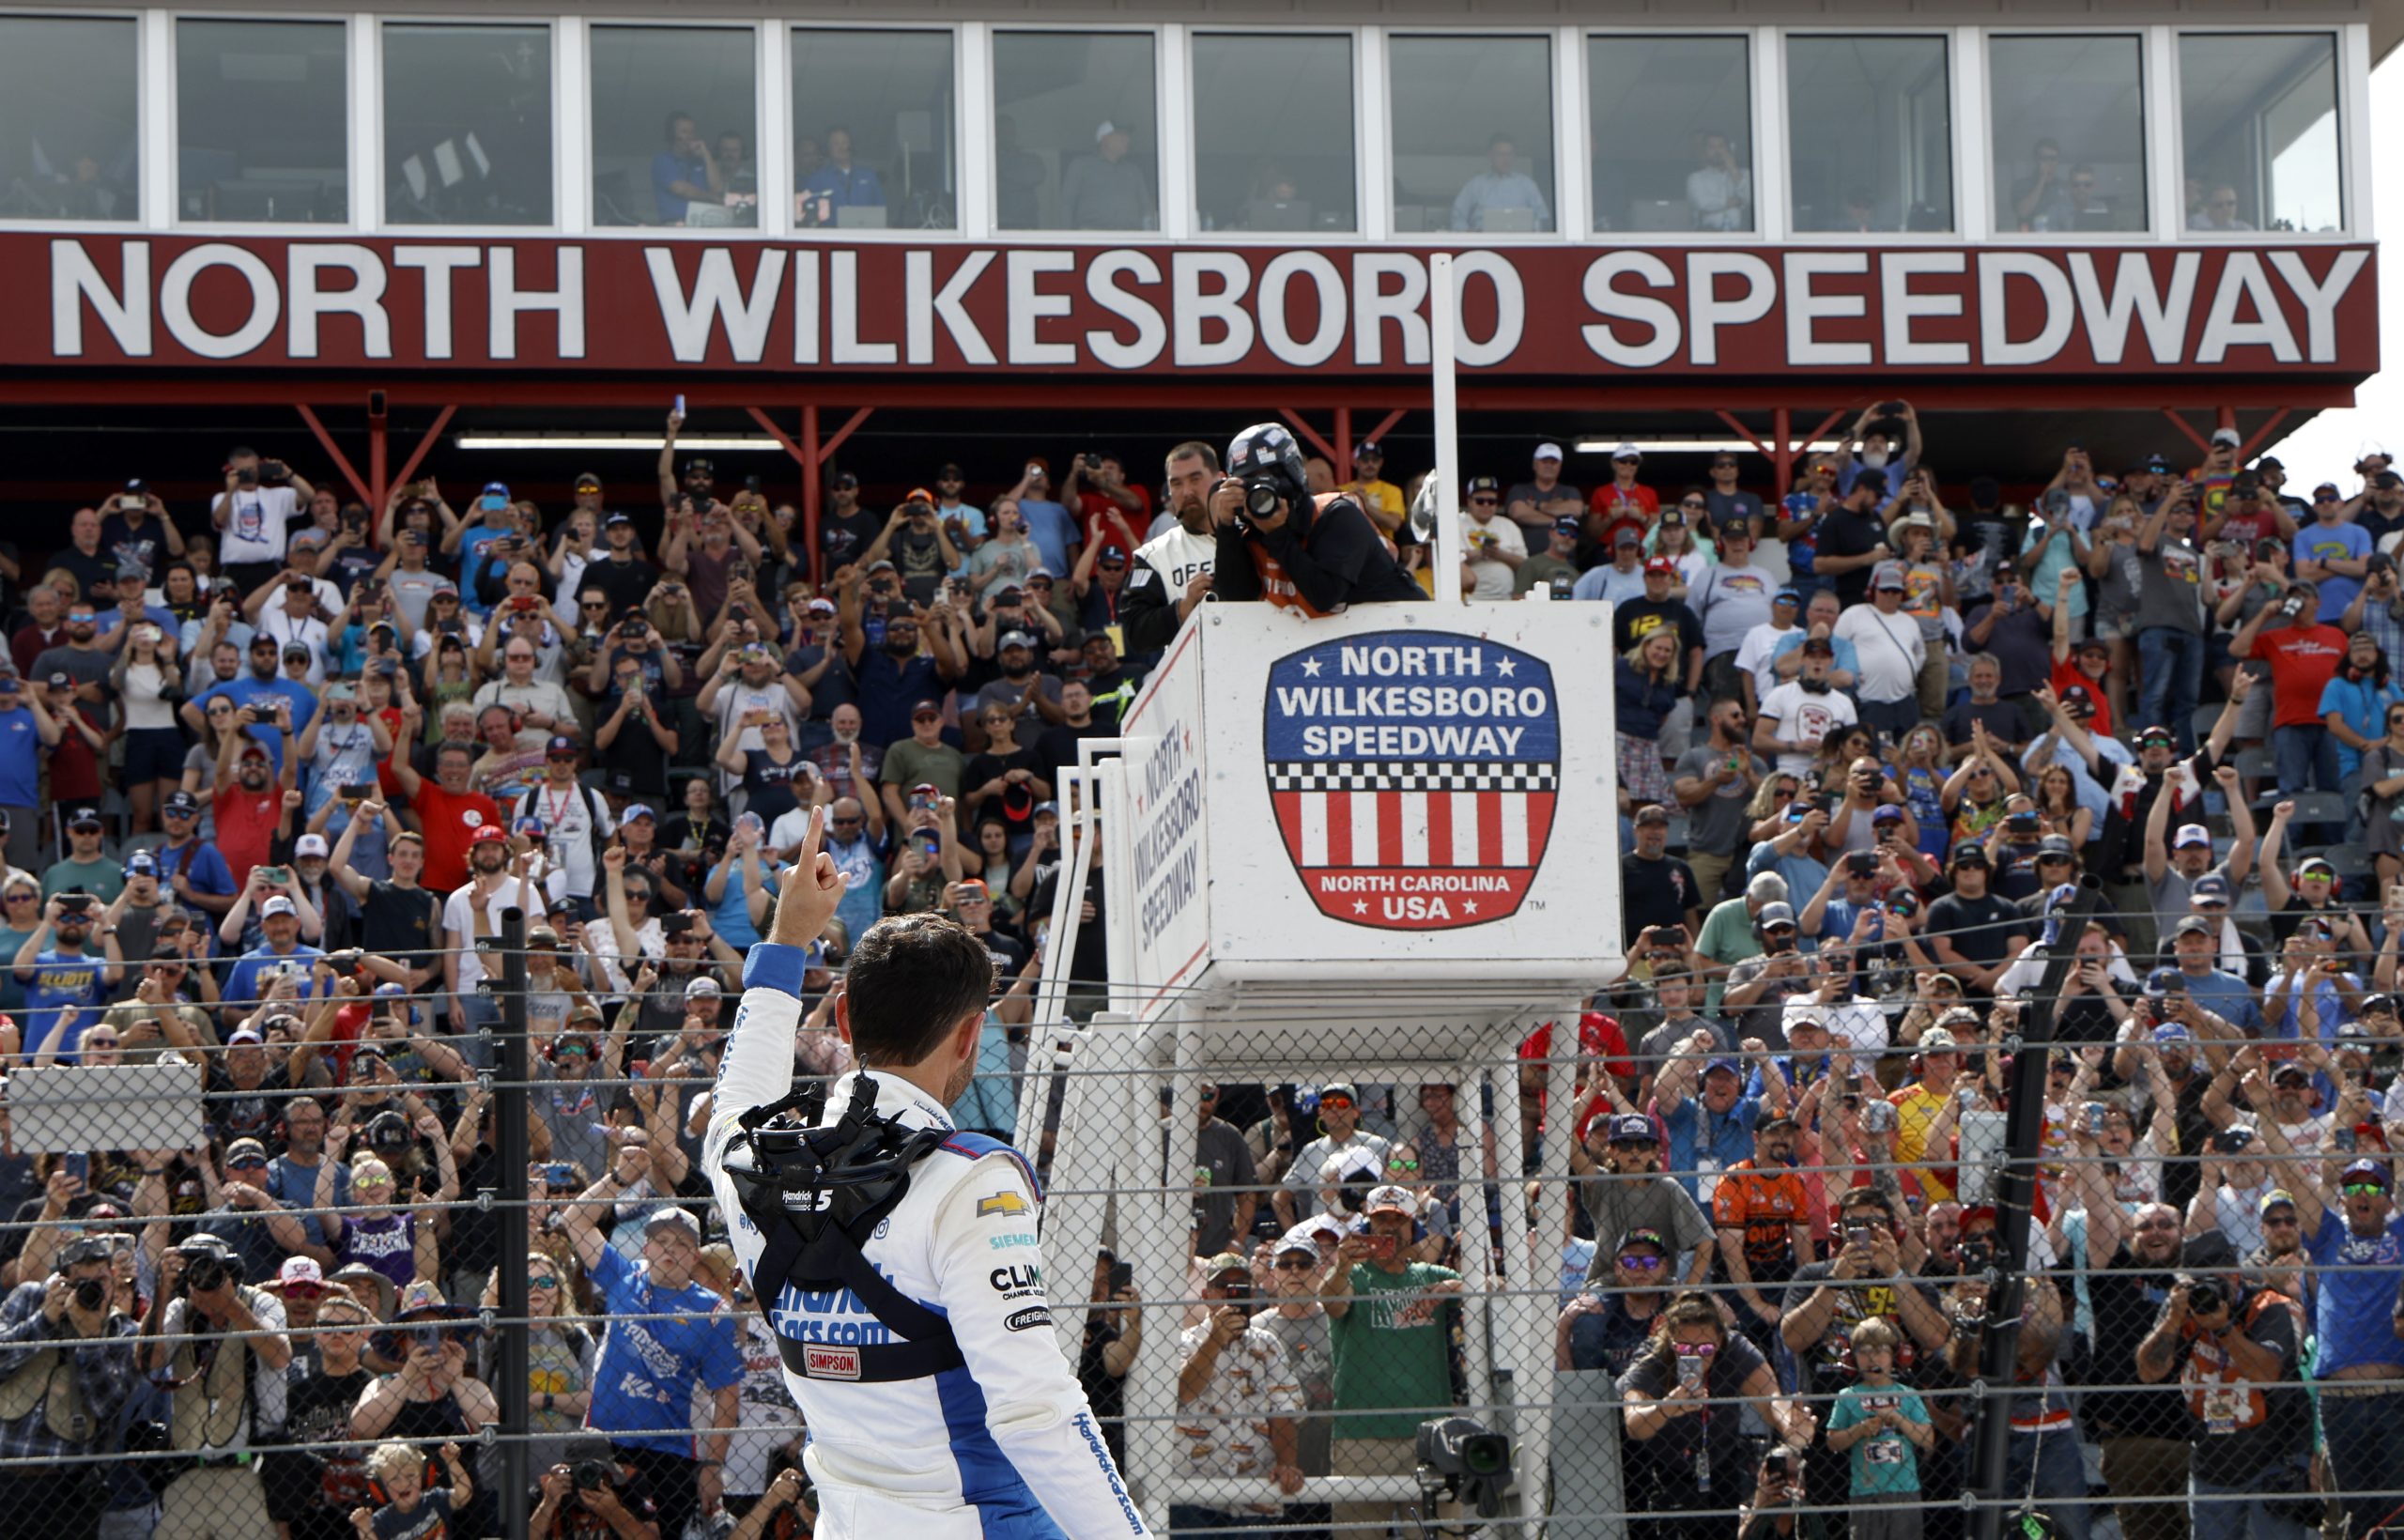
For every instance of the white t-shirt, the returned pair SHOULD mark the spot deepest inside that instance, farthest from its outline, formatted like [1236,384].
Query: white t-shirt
[256,523]
[1758,651]
[1805,717]
[1495,580]
[737,700]
[1890,650]
[601,940]
[459,918]
[1856,1025]
[567,816]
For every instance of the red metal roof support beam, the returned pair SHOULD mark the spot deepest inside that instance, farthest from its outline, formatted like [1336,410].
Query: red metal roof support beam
[1782,428]
[768,426]
[2181,423]
[334,451]
[1342,445]
[826,451]
[1385,425]
[1309,433]
[2245,451]
[1745,433]
[417,456]
[813,488]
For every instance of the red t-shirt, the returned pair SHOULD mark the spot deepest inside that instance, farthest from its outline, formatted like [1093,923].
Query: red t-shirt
[1599,1037]
[447,822]
[246,827]
[2066,673]
[1611,498]
[1098,529]
[2303,661]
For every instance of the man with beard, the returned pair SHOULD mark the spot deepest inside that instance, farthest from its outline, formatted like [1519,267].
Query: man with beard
[81,654]
[849,765]
[625,577]
[1056,746]
[891,678]
[846,529]
[1171,573]
[472,913]
[2142,1432]
[449,810]
[1764,1223]
[923,766]
[1027,693]
[247,804]
[1618,1163]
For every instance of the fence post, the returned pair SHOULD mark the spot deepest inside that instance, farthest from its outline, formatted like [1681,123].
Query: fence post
[509,1122]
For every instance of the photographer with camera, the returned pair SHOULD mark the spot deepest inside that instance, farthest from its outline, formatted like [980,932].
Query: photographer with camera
[218,1347]
[66,1365]
[253,515]
[591,1495]
[1279,543]
[2236,1352]
[1234,1385]
[2305,656]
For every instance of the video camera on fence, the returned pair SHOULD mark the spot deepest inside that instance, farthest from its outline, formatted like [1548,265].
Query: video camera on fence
[1463,1458]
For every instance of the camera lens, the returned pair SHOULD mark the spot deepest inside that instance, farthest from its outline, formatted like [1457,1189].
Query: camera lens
[90,1293]
[1260,498]
[205,1275]
[591,1476]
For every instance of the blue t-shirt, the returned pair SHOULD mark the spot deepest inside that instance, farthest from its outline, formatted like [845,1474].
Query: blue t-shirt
[1695,1132]
[661,1342]
[1848,657]
[20,759]
[472,542]
[244,984]
[731,916]
[2362,706]
[667,170]
[1053,531]
[110,619]
[2227,997]
[202,866]
[2354,1313]
[1803,551]
[64,997]
[1886,1462]
[2317,542]
[295,1186]
[250,687]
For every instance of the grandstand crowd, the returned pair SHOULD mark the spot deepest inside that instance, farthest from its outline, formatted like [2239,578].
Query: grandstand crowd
[273,770]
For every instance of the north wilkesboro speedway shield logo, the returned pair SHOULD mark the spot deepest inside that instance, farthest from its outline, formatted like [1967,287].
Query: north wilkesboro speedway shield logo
[1414,775]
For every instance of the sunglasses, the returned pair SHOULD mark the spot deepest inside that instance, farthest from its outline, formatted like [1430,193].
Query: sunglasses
[542,1280]
[1694,1349]
[1482,502]
[1327,1101]
[591,605]
[1399,1163]
[2364,1189]
[1640,1262]
[1294,1264]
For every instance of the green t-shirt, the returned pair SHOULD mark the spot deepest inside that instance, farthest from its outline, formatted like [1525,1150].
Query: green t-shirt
[1391,1351]
[1727,937]
[103,878]
[910,761]
[1542,568]
[1885,1463]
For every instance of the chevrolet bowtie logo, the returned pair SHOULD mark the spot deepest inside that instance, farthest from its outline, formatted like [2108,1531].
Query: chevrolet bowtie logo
[1008,1204]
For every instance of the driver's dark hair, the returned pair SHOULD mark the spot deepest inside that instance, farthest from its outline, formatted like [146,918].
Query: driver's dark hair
[1197,449]
[912,981]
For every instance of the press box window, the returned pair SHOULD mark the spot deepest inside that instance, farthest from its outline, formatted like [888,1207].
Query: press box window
[1273,132]
[1671,125]
[675,126]
[2257,121]
[2068,132]
[1870,123]
[1076,143]
[262,122]
[876,120]
[1473,133]
[69,133]
[467,125]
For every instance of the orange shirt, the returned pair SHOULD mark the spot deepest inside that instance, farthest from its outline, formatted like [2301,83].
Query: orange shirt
[1766,1205]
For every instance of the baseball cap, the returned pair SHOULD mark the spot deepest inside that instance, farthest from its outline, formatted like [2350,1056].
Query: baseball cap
[181,802]
[2226,435]
[703,987]
[84,818]
[1481,483]
[242,1035]
[1225,1262]
[1886,812]
[1652,812]
[1819,647]
[1787,596]
[617,518]
[1660,566]
[2368,1171]
[2192,925]
[1633,1127]
[1625,536]
[2275,1197]
[1370,447]
[2191,834]
[487,834]
[2157,462]
[1548,452]
[1296,1241]
[1775,914]
[1867,477]
[1627,451]
[1645,1237]
[2053,844]
[300,650]
[2093,644]
[2315,866]
[1937,1040]
[278,905]
[2079,697]
[2210,888]
[1970,853]
[1889,574]
[561,745]
[240,1147]
[141,864]
[1568,524]
[1390,1199]
[1343,1089]
[1015,639]
[495,489]
[588,481]
[1731,1066]
[925,708]
[297,1271]
[542,935]
[670,1214]
[2208,1252]
[311,844]
[636,810]
[2290,1068]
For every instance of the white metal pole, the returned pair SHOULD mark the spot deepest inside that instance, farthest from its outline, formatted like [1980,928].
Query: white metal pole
[1443,317]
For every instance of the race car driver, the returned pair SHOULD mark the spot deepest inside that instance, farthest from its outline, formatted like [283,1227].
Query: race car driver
[1000,1442]
[1172,570]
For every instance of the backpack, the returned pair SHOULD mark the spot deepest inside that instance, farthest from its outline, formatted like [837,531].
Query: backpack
[595,809]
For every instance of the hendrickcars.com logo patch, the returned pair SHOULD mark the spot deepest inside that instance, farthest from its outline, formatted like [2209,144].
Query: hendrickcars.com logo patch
[1414,775]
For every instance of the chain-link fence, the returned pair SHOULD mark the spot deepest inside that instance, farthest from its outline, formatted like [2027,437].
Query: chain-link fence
[1666,1275]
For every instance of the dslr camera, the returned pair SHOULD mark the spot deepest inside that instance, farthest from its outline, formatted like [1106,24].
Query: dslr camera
[593,1475]
[2205,1296]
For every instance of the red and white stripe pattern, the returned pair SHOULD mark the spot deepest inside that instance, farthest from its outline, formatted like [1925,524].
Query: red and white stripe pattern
[1400,830]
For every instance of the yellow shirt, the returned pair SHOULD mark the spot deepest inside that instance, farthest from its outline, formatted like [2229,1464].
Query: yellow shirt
[1915,1107]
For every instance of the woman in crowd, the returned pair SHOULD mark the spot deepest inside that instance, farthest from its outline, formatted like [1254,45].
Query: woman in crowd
[1647,680]
[149,687]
